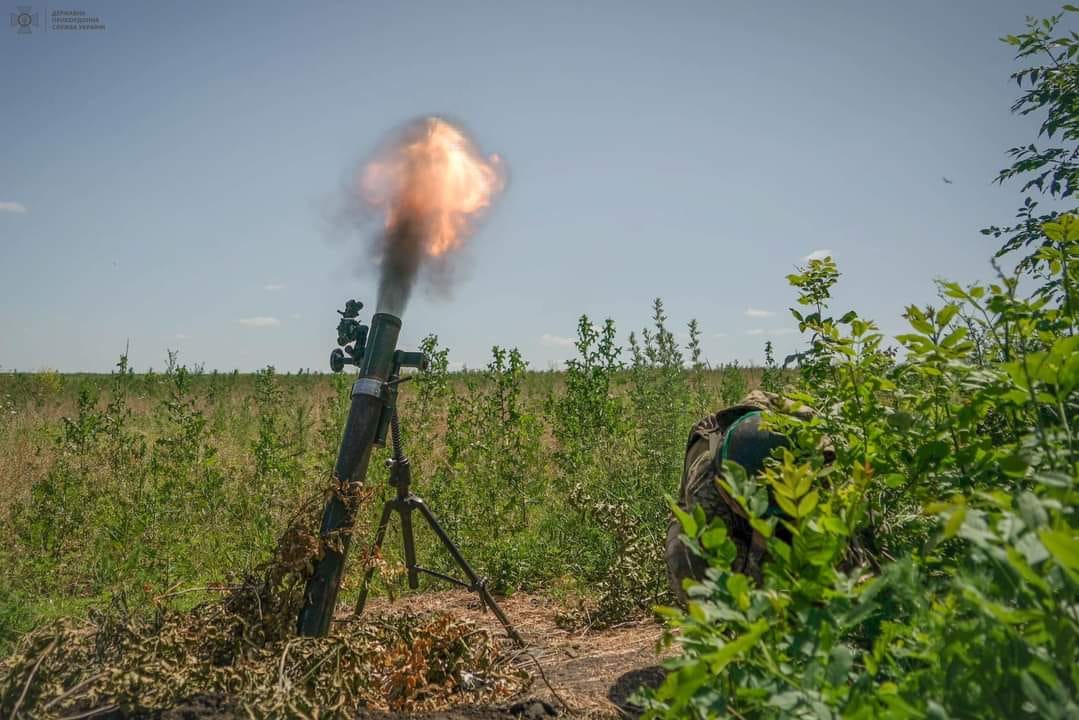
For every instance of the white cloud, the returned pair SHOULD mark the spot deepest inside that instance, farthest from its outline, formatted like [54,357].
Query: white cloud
[758,313]
[273,287]
[260,321]
[296,316]
[817,255]
[9,206]
[555,341]
[777,331]
[721,334]
[181,336]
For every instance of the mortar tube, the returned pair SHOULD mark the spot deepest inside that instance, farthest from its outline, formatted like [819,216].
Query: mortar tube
[368,401]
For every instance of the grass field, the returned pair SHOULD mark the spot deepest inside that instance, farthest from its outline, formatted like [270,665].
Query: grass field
[140,487]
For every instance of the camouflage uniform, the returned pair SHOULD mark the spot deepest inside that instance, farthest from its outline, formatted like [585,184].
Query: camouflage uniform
[734,434]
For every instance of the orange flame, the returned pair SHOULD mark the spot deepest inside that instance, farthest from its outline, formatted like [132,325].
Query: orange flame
[435,177]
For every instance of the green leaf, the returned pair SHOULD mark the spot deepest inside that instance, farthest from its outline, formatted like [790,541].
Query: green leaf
[839,665]
[955,521]
[719,659]
[953,290]
[1033,551]
[786,700]
[699,517]
[689,525]
[954,337]
[917,343]
[1053,231]
[714,536]
[806,505]
[786,505]
[946,314]
[787,491]
[1063,547]
[764,527]
[858,613]
[803,485]
[1053,479]
[1031,510]
[1035,695]
[738,587]
[936,508]
[1013,466]
[1017,561]
[667,612]
[1071,223]
[921,325]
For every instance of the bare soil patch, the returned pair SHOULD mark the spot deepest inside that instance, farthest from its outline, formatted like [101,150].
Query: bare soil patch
[592,671]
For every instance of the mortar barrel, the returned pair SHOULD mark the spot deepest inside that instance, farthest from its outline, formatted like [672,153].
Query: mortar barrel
[368,400]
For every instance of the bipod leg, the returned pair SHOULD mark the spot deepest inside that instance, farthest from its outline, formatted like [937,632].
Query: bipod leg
[376,548]
[478,585]
[410,544]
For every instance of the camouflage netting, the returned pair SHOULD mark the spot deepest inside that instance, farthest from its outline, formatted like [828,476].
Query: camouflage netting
[243,648]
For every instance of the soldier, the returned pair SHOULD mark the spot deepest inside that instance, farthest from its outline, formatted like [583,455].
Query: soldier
[734,434]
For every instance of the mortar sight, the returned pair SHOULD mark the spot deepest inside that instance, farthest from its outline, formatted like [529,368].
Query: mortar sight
[352,309]
[351,336]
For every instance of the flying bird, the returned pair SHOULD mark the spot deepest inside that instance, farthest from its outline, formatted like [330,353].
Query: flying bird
[946,180]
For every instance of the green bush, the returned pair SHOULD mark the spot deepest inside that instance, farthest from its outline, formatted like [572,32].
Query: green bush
[933,567]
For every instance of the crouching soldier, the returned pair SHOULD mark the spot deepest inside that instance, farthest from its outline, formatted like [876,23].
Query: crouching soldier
[734,434]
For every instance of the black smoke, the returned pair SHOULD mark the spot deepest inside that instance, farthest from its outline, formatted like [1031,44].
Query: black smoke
[401,249]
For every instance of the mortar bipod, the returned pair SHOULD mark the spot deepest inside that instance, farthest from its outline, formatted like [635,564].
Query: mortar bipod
[404,503]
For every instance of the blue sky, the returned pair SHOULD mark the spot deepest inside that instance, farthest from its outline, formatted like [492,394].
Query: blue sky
[164,181]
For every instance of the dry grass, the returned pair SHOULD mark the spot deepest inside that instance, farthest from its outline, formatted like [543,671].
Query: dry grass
[241,648]
[591,671]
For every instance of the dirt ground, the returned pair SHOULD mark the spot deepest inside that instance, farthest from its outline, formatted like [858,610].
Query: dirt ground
[217,708]
[590,672]
[586,674]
